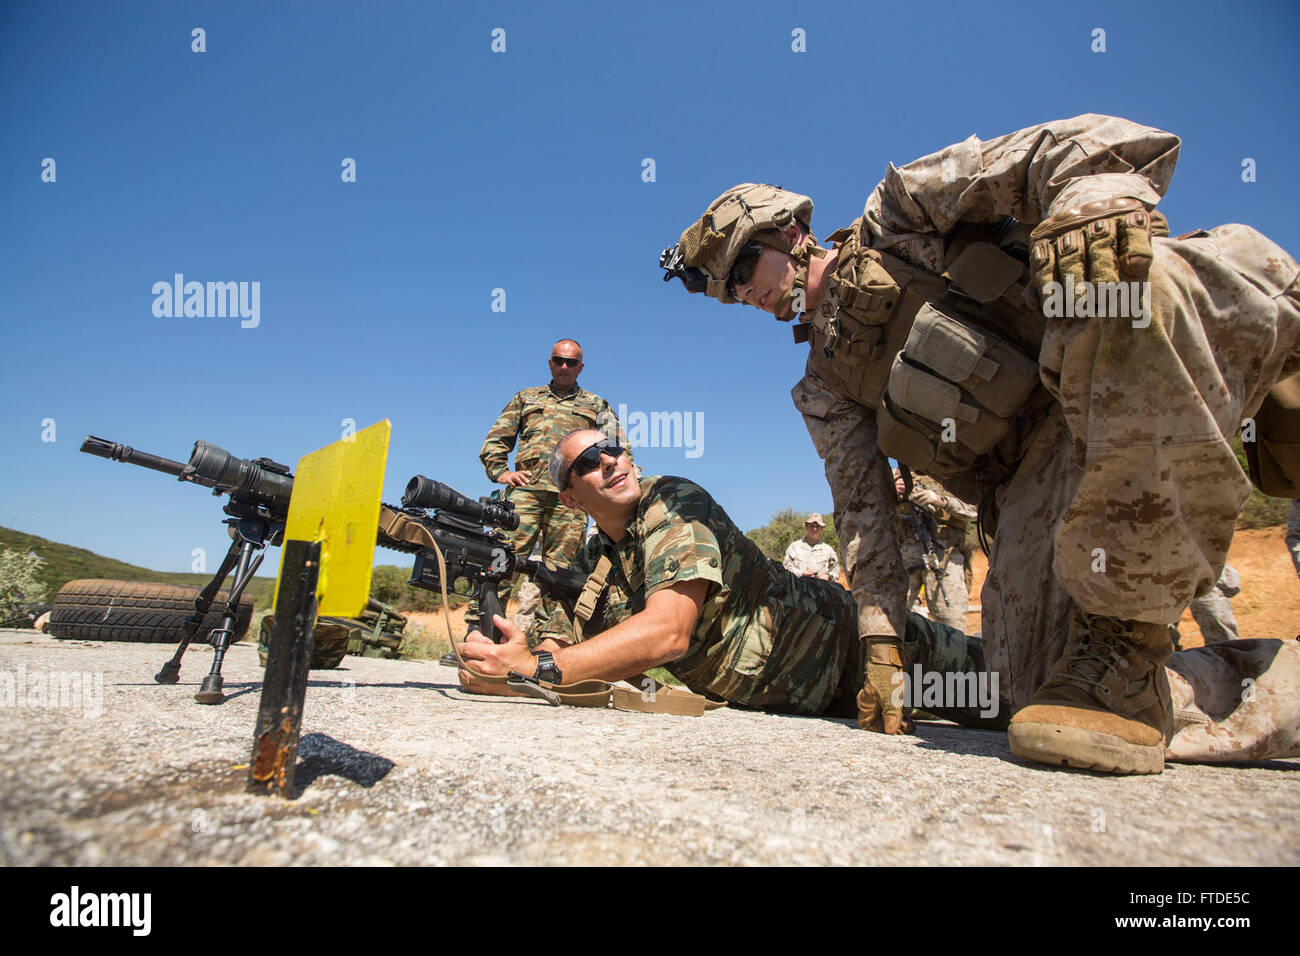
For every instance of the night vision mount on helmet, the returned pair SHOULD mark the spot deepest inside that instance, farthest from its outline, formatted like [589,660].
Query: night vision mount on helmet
[746,213]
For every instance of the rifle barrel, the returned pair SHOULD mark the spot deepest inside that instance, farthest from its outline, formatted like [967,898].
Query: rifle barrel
[113,451]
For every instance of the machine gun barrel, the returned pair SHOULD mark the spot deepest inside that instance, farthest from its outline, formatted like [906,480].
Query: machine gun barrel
[116,452]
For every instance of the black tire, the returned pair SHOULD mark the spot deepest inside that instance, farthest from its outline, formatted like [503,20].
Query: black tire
[102,610]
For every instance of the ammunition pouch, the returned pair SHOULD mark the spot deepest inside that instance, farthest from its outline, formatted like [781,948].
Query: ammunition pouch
[952,393]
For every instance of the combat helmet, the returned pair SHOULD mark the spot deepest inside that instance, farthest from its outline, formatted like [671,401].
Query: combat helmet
[747,213]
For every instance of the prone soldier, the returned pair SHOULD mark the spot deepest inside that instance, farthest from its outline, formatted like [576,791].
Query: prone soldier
[672,581]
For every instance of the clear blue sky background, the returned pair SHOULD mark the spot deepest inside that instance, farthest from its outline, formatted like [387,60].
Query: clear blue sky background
[521,171]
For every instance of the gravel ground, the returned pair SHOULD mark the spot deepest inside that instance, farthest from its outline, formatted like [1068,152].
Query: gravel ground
[397,766]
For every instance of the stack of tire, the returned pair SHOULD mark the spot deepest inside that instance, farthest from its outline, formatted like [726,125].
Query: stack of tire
[96,609]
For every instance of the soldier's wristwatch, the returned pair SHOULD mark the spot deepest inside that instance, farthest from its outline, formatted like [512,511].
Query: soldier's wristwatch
[546,669]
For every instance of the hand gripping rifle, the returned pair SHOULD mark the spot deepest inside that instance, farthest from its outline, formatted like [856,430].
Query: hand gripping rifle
[259,493]
[434,513]
[919,522]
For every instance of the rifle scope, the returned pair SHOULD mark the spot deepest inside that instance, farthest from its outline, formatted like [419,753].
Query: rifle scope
[209,466]
[422,492]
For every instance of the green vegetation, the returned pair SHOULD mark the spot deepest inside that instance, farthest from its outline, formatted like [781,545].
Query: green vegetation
[61,563]
[787,525]
[20,584]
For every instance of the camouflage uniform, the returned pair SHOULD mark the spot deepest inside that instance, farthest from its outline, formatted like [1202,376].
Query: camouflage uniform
[1293,535]
[771,640]
[537,418]
[1213,612]
[802,558]
[946,517]
[1127,466]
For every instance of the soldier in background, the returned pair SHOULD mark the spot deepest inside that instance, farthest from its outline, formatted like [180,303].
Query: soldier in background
[934,549]
[1293,534]
[535,419]
[808,556]
[1213,612]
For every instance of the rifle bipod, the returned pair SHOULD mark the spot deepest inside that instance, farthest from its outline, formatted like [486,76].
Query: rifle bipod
[250,533]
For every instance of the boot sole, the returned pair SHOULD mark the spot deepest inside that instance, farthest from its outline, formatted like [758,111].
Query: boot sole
[1083,749]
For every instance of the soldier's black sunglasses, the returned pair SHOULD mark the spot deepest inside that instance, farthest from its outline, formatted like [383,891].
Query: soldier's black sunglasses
[568,362]
[742,270]
[589,460]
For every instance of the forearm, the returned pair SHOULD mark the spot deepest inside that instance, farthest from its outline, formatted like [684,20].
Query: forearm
[653,637]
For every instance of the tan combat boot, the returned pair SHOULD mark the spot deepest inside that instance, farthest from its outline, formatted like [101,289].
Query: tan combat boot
[1105,705]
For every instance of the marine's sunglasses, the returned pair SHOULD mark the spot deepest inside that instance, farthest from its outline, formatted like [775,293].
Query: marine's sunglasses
[567,362]
[742,270]
[589,460]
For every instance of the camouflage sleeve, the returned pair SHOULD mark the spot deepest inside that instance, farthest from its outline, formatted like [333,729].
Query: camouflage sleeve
[501,438]
[944,506]
[791,560]
[833,568]
[679,545]
[862,489]
[1029,174]
[607,421]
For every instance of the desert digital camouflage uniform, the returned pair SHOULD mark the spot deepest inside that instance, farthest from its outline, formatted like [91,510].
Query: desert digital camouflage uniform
[802,558]
[946,517]
[536,419]
[766,638]
[1128,465]
[1293,535]
[1213,612]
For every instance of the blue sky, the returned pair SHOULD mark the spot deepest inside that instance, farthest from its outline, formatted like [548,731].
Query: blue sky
[519,171]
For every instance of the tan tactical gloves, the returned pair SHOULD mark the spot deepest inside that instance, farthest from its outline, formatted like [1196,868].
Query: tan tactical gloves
[880,700]
[1104,241]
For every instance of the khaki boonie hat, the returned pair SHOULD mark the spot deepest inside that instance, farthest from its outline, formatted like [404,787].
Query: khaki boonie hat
[815,518]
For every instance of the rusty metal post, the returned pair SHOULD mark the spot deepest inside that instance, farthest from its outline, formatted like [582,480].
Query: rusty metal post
[279,718]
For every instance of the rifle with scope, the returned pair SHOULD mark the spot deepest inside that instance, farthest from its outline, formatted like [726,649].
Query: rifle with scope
[258,507]
[433,513]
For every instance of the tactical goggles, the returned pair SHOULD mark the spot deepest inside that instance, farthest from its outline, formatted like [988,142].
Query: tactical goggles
[742,270]
[589,460]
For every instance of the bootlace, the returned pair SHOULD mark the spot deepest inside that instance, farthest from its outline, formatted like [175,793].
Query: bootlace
[1104,644]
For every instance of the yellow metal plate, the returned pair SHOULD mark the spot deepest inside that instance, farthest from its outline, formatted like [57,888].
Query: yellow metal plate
[336,492]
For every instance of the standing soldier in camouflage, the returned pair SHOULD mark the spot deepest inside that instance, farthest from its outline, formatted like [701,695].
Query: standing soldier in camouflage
[934,548]
[1094,435]
[672,582]
[1293,535]
[535,419]
[1213,612]
[808,556]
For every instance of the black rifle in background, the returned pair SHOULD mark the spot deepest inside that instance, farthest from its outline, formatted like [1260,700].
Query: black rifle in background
[258,506]
[472,551]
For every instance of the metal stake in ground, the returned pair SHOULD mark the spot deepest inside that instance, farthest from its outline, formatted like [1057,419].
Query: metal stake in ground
[279,718]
